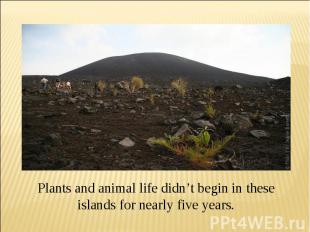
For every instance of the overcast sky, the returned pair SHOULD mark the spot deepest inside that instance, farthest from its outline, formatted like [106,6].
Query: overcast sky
[261,49]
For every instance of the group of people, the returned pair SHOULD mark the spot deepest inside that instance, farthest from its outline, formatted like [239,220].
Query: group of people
[64,85]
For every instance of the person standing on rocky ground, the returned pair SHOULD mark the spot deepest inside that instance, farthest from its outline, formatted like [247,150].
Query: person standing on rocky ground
[57,83]
[44,83]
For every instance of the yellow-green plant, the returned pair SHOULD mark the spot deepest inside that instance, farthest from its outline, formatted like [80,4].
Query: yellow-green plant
[180,85]
[152,99]
[210,92]
[100,86]
[136,83]
[210,111]
[198,149]
[113,89]
[202,139]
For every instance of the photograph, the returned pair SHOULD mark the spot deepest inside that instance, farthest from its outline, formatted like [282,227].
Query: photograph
[156,97]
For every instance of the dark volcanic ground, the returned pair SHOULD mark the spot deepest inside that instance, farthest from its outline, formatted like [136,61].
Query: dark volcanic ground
[58,135]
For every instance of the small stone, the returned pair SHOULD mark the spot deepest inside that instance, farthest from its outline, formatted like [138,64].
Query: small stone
[182,130]
[91,148]
[269,119]
[89,110]
[204,124]
[95,131]
[138,100]
[197,115]
[170,122]
[251,104]
[98,101]
[235,122]
[54,139]
[173,107]
[126,163]
[132,112]
[183,120]
[127,142]
[238,86]
[72,100]
[259,134]
[61,100]
[150,141]
[202,102]
[51,103]
[106,104]
[114,140]
[80,98]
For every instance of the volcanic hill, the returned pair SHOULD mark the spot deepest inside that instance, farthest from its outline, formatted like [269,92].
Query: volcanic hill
[161,68]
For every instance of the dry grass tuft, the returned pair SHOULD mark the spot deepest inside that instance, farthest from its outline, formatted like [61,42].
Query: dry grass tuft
[199,149]
[152,99]
[180,85]
[210,111]
[136,83]
[100,86]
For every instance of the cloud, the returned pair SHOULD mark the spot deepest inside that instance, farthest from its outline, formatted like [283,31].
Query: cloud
[70,47]
[239,48]
[254,49]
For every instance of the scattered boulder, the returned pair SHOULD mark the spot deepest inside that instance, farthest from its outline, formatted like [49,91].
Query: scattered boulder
[235,122]
[89,110]
[127,142]
[126,163]
[202,103]
[95,131]
[170,122]
[218,88]
[90,148]
[138,100]
[259,134]
[269,119]
[243,122]
[106,105]
[183,120]
[173,108]
[183,130]
[97,101]
[197,115]
[150,141]
[53,139]
[114,140]
[80,98]
[51,103]
[72,100]
[204,124]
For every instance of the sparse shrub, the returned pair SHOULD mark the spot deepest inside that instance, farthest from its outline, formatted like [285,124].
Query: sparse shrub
[210,111]
[202,139]
[255,116]
[113,89]
[180,85]
[114,92]
[210,92]
[198,149]
[152,99]
[126,85]
[136,83]
[100,86]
